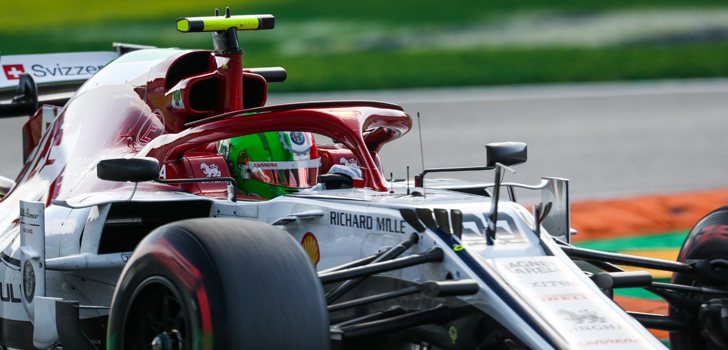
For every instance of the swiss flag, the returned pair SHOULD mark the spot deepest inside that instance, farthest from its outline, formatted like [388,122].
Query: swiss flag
[13,71]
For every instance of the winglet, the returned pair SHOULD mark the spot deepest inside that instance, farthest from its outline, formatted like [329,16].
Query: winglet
[32,258]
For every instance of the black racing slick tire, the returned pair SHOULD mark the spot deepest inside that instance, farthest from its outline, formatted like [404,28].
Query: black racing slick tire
[707,240]
[206,284]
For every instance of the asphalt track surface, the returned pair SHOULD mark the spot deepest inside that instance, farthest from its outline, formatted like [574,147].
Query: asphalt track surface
[610,140]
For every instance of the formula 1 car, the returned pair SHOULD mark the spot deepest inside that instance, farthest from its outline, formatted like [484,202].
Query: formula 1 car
[124,230]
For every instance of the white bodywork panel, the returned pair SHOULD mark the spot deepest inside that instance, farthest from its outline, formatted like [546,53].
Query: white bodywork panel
[354,224]
[339,226]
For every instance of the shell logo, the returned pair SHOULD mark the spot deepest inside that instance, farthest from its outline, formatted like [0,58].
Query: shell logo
[311,246]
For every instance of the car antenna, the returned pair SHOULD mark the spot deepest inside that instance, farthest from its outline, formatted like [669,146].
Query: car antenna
[422,154]
[391,182]
[407,180]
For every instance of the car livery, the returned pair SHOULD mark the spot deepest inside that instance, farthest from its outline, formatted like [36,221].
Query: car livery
[124,229]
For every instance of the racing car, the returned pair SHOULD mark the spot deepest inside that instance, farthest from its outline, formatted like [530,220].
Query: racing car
[126,229]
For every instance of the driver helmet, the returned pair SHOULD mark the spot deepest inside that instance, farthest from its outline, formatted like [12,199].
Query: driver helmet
[272,164]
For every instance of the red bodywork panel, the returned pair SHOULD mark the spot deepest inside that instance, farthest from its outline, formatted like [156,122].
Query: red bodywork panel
[362,128]
[174,111]
[334,154]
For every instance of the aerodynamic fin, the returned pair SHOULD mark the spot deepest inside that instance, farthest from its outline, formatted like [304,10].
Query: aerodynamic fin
[32,258]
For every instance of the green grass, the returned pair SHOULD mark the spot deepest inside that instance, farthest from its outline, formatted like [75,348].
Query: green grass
[49,14]
[670,240]
[56,26]
[495,66]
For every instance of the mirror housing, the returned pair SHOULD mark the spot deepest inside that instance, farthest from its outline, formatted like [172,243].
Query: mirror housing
[25,101]
[506,153]
[128,169]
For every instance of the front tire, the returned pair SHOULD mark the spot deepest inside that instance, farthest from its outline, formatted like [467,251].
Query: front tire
[219,284]
[708,240]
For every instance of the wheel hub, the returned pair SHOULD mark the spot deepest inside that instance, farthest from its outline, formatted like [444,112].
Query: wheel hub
[167,341]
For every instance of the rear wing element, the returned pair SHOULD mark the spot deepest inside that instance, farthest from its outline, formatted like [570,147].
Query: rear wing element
[30,80]
[53,68]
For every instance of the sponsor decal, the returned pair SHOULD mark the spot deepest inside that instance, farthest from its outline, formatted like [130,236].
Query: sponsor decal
[616,341]
[58,70]
[576,312]
[25,213]
[211,170]
[582,316]
[151,132]
[389,225]
[565,297]
[550,284]
[383,224]
[311,246]
[28,281]
[7,293]
[532,267]
[298,138]
[298,143]
[149,129]
[265,165]
[13,71]
[290,164]
[351,220]
[177,102]
[55,67]
[596,327]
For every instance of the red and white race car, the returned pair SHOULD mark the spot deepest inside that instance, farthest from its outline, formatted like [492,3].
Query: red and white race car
[126,228]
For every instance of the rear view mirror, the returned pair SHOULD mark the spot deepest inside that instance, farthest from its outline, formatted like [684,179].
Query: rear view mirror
[25,101]
[506,153]
[128,169]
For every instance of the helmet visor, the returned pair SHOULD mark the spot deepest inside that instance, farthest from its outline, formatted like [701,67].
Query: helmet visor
[294,173]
